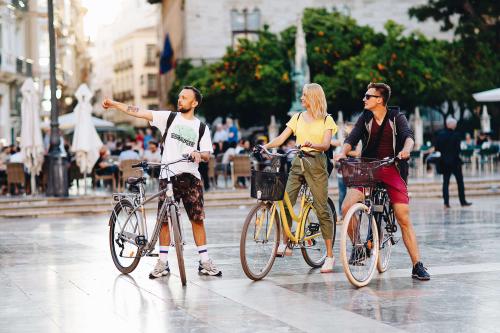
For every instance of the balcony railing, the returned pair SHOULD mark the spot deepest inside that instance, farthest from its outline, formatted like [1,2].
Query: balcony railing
[123,65]
[150,94]
[123,96]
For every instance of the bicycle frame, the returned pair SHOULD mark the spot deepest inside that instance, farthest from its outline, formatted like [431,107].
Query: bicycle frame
[300,219]
[139,201]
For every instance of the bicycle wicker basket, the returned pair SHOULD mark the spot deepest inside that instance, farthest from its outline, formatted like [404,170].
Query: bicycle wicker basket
[360,172]
[267,185]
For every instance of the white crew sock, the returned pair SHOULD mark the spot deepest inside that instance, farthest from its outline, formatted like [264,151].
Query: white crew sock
[202,251]
[164,253]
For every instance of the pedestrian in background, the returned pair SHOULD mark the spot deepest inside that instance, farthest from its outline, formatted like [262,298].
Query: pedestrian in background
[448,144]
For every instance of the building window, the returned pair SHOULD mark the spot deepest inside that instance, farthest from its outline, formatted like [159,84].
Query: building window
[245,24]
[150,54]
[152,83]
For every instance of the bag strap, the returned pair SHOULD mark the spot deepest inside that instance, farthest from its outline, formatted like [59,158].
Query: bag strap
[201,132]
[170,120]
[378,138]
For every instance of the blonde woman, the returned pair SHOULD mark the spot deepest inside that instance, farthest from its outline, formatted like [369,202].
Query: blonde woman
[314,129]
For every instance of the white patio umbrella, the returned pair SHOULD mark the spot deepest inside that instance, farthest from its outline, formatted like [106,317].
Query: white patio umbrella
[485,120]
[31,134]
[492,95]
[86,141]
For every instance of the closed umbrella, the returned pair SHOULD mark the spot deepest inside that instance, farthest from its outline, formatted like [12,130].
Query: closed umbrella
[31,134]
[86,141]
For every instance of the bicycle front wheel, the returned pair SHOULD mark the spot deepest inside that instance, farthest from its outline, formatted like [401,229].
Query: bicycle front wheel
[259,241]
[178,242]
[359,245]
[125,254]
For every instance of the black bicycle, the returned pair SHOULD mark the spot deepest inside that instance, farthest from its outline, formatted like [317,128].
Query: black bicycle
[368,232]
[128,235]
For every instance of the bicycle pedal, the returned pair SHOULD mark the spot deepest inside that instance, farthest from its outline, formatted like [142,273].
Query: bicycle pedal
[152,255]
[140,240]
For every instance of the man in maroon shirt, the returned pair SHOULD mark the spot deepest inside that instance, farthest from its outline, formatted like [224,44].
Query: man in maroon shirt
[395,140]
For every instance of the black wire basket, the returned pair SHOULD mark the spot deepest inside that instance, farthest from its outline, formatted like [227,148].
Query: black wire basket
[360,172]
[268,186]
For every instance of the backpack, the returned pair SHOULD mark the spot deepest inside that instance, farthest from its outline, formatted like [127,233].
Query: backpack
[328,153]
[170,120]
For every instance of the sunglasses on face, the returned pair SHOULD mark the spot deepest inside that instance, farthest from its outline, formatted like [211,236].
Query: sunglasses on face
[367,96]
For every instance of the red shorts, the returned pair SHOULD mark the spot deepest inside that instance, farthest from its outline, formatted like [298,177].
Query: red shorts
[394,184]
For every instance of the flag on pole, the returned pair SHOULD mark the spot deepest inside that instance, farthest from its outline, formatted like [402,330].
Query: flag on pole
[167,56]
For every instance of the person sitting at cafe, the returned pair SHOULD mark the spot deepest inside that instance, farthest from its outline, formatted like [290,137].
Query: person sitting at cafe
[105,167]
[152,154]
[128,153]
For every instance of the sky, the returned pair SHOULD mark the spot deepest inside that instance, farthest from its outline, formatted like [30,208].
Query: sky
[99,13]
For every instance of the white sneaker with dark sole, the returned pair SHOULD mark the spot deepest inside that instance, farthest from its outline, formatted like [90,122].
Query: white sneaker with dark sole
[160,269]
[208,268]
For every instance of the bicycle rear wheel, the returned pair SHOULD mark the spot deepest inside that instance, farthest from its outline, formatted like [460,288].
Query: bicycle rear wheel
[359,245]
[259,241]
[314,249]
[178,242]
[333,214]
[125,255]
[386,240]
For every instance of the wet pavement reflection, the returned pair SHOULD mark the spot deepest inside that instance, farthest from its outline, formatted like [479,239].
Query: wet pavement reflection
[57,276]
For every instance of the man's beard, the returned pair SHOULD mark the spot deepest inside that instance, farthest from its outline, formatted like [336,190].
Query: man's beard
[182,110]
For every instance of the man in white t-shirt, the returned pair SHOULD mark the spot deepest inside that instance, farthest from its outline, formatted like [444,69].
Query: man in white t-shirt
[181,138]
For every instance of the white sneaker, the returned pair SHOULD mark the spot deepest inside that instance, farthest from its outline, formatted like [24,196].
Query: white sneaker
[161,269]
[208,268]
[328,265]
[283,250]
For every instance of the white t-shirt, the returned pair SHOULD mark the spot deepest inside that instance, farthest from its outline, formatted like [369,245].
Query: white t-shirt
[182,138]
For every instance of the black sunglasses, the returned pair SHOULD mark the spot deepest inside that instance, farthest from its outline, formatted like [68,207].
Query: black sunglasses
[368,96]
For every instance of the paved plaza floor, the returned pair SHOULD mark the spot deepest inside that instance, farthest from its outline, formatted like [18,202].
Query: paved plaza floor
[57,276]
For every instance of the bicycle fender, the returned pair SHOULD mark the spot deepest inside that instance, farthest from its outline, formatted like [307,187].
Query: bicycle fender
[123,199]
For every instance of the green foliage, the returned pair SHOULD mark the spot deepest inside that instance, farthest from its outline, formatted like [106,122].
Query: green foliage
[473,20]
[250,83]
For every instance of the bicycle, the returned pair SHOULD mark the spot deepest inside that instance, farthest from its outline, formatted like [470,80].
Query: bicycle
[128,234]
[362,227]
[261,234]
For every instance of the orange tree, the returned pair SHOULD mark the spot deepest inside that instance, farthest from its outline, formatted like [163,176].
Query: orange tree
[251,82]
[412,65]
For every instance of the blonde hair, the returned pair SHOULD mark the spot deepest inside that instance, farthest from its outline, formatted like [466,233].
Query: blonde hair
[315,96]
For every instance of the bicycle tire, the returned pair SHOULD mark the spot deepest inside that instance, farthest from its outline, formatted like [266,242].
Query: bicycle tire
[305,254]
[179,246]
[333,213]
[112,240]
[304,249]
[357,282]
[385,251]
[255,274]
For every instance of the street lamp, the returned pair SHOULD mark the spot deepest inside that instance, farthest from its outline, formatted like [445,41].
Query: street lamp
[58,175]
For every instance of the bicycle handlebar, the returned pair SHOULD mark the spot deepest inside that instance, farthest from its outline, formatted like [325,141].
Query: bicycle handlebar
[385,161]
[297,149]
[145,164]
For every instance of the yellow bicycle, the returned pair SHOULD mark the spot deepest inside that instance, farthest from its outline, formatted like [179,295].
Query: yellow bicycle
[260,236]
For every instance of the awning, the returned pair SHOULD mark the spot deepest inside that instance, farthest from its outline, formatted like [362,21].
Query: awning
[488,96]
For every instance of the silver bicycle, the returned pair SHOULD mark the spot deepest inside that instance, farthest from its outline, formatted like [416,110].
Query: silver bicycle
[129,240]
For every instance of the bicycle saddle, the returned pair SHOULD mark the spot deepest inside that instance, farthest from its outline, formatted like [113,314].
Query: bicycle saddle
[136,180]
